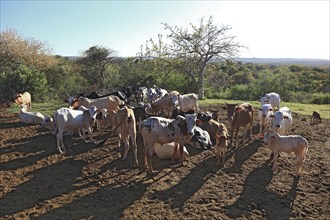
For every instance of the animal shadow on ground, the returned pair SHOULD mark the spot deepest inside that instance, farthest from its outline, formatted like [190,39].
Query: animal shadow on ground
[195,179]
[256,197]
[110,202]
[46,183]
[241,154]
[28,152]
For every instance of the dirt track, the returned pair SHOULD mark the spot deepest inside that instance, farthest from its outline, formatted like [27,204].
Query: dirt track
[92,182]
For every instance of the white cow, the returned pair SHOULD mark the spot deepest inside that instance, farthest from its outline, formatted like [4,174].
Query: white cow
[163,130]
[165,151]
[289,144]
[282,120]
[272,98]
[186,102]
[69,119]
[30,118]
[265,112]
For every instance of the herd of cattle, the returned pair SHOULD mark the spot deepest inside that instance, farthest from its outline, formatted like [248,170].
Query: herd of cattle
[167,121]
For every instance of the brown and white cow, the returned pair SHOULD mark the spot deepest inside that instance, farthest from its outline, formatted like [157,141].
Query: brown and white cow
[124,121]
[230,110]
[163,130]
[243,117]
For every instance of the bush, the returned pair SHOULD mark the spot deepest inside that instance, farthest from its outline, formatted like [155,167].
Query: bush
[321,99]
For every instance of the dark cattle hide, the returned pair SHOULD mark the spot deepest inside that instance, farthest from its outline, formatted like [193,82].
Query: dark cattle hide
[201,137]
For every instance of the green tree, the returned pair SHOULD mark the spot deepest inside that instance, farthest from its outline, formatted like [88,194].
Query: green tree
[23,62]
[191,50]
[97,59]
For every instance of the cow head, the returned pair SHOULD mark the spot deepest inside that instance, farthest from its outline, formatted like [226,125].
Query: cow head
[92,112]
[268,138]
[18,98]
[266,110]
[230,110]
[186,124]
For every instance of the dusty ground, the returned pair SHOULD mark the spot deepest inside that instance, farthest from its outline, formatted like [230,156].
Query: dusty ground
[92,182]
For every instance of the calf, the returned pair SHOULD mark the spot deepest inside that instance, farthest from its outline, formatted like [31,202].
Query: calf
[316,118]
[221,146]
[282,120]
[162,130]
[211,127]
[124,121]
[30,118]
[23,99]
[271,98]
[243,117]
[165,151]
[289,144]
[73,120]
[265,113]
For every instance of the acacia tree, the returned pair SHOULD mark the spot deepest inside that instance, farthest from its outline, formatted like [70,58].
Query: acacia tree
[97,60]
[189,51]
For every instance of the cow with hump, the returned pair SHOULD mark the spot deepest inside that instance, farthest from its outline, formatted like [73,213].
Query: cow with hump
[163,130]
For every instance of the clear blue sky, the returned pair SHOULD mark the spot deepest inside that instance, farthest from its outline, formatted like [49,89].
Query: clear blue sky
[270,29]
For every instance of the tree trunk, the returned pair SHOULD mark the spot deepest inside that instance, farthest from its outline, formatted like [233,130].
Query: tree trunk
[201,85]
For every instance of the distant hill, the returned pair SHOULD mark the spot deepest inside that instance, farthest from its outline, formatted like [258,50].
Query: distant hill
[271,61]
[286,61]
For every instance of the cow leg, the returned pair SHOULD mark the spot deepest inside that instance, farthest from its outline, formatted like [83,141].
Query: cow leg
[126,144]
[176,146]
[181,153]
[236,134]
[134,147]
[145,142]
[59,136]
[82,133]
[299,166]
[274,160]
[90,135]
[119,139]
[151,169]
